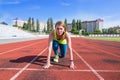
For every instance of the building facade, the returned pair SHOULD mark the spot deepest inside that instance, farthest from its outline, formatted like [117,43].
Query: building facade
[18,22]
[91,26]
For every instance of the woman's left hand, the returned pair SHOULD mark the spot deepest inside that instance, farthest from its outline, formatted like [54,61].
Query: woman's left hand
[72,66]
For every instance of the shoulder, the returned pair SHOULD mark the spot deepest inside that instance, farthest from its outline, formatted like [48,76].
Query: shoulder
[67,35]
[51,34]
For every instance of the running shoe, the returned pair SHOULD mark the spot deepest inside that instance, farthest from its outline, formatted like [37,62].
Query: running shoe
[56,58]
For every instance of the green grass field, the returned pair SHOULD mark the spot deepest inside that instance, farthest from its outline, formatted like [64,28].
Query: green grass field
[117,39]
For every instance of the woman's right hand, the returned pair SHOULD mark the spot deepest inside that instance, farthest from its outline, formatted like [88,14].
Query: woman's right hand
[46,66]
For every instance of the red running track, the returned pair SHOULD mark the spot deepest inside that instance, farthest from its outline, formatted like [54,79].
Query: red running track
[94,60]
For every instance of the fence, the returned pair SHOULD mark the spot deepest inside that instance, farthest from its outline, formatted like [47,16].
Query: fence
[104,35]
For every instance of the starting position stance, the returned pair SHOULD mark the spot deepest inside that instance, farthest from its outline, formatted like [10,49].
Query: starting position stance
[59,38]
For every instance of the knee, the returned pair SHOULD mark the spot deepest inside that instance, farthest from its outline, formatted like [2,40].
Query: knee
[62,56]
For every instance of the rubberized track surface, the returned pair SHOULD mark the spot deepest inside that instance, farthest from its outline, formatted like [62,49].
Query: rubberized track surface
[94,60]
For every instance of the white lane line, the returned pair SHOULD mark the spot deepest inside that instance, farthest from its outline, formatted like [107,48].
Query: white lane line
[93,70]
[18,48]
[10,68]
[108,70]
[24,68]
[69,70]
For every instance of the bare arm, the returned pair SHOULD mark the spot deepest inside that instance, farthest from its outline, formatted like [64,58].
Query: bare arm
[69,45]
[70,50]
[49,50]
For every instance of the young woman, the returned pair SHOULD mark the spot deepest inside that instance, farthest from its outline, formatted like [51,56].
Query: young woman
[59,38]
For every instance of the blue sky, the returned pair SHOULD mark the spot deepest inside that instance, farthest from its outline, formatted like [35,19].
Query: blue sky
[108,10]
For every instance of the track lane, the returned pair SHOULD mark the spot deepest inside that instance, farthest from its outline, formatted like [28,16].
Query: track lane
[61,70]
[99,59]
[4,48]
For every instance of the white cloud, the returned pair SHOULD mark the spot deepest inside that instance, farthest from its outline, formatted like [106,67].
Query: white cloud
[34,7]
[65,4]
[9,2]
[83,16]
[112,23]
[83,0]
[111,20]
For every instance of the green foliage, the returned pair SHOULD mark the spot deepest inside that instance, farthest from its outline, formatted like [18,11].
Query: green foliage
[85,33]
[117,39]
[74,26]
[49,25]
[79,25]
[33,25]
[112,31]
[76,32]
[47,32]
[73,30]
[15,25]
[97,32]
[29,24]
[65,22]
[25,26]
[44,30]
[38,26]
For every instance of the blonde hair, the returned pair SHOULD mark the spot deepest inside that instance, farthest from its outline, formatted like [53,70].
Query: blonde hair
[60,23]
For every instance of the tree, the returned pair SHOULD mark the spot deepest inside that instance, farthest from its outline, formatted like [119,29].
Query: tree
[77,25]
[65,22]
[80,25]
[49,25]
[38,25]
[44,30]
[29,24]
[25,26]
[33,25]
[51,22]
[74,25]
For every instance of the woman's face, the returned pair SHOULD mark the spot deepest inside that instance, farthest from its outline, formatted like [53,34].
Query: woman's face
[59,29]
